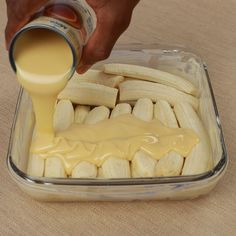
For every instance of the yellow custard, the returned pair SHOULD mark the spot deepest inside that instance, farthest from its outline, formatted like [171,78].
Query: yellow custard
[44,61]
[121,137]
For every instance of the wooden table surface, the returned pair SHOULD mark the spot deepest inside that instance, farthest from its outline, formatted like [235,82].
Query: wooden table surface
[207,27]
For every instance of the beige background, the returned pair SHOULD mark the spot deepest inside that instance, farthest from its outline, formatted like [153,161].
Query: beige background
[208,27]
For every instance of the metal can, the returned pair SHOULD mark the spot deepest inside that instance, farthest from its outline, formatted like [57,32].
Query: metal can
[74,20]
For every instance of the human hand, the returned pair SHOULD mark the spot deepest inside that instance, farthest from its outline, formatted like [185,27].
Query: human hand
[18,14]
[113,18]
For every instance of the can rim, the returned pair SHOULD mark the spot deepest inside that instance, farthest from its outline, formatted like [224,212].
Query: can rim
[17,35]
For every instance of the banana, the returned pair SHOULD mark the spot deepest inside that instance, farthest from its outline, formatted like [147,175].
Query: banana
[149,74]
[100,172]
[97,114]
[81,113]
[172,163]
[94,116]
[115,167]
[63,115]
[120,109]
[84,170]
[35,166]
[164,113]
[143,109]
[143,165]
[97,77]
[135,89]
[200,159]
[85,93]
[130,102]
[54,168]
[169,165]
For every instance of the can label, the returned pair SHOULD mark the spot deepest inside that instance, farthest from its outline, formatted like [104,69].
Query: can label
[76,13]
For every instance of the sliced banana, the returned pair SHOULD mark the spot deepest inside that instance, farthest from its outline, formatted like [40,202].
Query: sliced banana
[200,159]
[135,89]
[169,165]
[84,170]
[97,77]
[115,167]
[154,75]
[54,168]
[164,113]
[143,165]
[143,109]
[97,114]
[172,163]
[81,113]
[100,172]
[121,109]
[35,166]
[85,93]
[63,115]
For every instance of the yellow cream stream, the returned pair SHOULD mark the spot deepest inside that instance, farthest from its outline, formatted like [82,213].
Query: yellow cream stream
[44,61]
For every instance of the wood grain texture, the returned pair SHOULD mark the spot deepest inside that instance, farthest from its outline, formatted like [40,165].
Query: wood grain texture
[207,28]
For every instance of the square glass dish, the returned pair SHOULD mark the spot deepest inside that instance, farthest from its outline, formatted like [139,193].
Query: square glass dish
[173,60]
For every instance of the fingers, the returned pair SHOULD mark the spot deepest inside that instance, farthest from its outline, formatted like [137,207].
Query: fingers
[16,19]
[11,28]
[111,23]
[98,47]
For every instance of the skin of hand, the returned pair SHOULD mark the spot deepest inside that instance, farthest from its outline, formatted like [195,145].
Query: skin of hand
[113,18]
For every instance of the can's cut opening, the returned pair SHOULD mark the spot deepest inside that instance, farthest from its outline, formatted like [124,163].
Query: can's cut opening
[61,34]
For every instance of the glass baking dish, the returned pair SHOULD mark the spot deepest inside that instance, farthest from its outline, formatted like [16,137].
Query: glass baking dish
[175,60]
